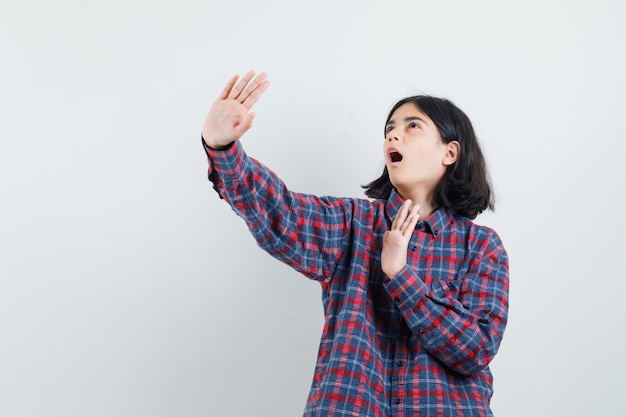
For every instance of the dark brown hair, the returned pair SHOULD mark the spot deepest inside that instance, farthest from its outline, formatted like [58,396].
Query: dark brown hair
[465,187]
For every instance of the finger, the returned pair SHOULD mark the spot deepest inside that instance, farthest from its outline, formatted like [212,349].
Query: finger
[401,216]
[403,226]
[411,221]
[256,94]
[252,87]
[234,94]
[229,86]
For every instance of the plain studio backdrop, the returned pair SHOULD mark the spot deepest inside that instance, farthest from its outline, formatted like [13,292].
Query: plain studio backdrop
[128,288]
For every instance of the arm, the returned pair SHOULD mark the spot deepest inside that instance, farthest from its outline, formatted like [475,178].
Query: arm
[464,332]
[304,231]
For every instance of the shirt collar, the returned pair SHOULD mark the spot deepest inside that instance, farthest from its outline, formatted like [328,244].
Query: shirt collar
[435,223]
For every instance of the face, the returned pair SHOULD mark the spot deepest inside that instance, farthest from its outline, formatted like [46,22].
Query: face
[415,156]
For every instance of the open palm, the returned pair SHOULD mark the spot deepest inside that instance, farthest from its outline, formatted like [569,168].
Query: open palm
[229,117]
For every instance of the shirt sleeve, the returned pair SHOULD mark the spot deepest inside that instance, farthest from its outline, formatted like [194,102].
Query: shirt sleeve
[462,327]
[304,231]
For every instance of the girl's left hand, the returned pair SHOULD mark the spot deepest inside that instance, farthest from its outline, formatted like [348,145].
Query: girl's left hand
[396,241]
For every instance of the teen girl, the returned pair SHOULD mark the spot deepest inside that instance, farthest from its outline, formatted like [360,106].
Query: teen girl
[415,294]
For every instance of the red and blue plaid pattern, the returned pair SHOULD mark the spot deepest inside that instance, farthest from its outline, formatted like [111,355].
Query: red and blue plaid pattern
[417,345]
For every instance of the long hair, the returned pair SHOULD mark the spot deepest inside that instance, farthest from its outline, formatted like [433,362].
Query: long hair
[465,187]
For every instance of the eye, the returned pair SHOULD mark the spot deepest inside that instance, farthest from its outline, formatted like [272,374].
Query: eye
[388,129]
[414,125]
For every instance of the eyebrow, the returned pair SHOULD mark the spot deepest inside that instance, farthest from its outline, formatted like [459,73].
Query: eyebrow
[406,120]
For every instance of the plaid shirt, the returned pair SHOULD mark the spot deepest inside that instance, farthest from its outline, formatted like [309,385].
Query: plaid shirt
[416,345]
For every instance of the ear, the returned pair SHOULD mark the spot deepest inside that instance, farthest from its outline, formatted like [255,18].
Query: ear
[452,152]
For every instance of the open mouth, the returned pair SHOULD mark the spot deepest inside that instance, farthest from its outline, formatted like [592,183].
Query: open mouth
[395,156]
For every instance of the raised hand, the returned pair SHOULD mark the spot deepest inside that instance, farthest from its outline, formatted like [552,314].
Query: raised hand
[396,241]
[229,117]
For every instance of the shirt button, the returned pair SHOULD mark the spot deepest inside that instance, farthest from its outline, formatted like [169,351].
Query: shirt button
[400,363]
[398,400]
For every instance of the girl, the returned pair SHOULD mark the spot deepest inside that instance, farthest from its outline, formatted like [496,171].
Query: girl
[415,294]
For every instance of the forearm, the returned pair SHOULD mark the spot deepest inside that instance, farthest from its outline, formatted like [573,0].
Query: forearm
[458,322]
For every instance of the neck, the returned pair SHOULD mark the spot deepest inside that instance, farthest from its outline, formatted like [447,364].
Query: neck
[426,201]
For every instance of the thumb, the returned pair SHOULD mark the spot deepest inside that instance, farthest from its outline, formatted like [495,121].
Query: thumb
[245,125]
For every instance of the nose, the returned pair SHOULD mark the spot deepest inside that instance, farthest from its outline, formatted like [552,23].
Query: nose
[391,136]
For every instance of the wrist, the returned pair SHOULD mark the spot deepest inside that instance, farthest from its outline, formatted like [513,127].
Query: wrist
[391,273]
[215,146]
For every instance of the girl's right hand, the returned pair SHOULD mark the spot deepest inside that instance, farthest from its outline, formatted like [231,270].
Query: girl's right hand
[229,117]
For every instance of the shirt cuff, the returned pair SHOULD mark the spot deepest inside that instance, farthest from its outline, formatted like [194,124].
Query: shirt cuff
[226,162]
[406,289]
[225,165]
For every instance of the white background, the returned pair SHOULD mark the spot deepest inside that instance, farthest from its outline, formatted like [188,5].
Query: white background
[128,288]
